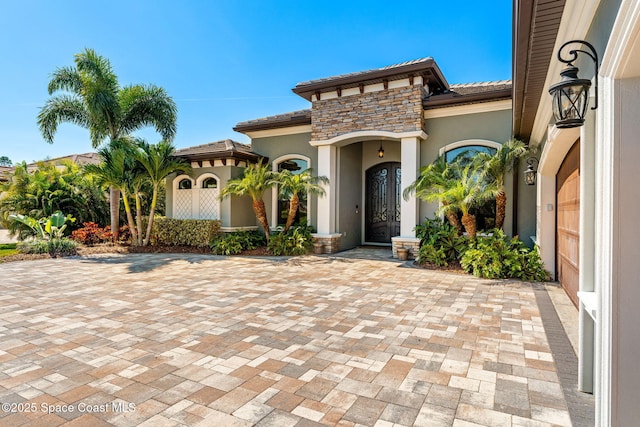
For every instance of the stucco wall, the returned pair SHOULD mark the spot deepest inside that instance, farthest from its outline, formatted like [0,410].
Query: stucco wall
[234,212]
[492,126]
[275,147]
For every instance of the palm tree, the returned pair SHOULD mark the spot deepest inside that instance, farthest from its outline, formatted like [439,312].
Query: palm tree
[293,185]
[462,192]
[92,98]
[117,171]
[496,168]
[433,179]
[158,162]
[257,178]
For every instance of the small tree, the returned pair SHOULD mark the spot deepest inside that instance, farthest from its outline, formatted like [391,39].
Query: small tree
[434,178]
[495,169]
[5,161]
[256,179]
[293,185]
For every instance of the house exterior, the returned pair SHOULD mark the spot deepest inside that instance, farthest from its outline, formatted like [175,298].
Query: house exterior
[370,133]
[588,197]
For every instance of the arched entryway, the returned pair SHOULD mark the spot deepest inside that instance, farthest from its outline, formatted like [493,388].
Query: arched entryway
[382,202]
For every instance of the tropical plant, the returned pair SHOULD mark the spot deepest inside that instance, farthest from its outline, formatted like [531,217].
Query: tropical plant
[440,243]
[498,257]
[461,191]
[117,171]
[92,234]
[158,162]
[293,185]
[434,178]
[296,241]
[234,243]
[49,188]
[256,179]
[92,98]
[49,228]
[496,167]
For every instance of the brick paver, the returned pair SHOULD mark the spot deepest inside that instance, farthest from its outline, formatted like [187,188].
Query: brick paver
[156,339]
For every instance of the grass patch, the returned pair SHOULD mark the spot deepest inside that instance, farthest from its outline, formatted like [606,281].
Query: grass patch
[7,249]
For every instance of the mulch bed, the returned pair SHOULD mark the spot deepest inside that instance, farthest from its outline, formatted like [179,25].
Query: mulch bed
[453,267]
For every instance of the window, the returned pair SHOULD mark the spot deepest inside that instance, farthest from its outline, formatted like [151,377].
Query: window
[210,183]
[185,184]
[485,214]
[296,166]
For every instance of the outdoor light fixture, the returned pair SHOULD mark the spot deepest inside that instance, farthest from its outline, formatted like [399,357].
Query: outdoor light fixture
[571,94]
[381,151]
[531,172]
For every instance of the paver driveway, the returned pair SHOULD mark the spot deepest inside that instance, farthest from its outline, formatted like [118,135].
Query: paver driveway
[160,339]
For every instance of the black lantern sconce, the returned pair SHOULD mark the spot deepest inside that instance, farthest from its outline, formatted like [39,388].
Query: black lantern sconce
[571,94]
[381,151]
[531,172]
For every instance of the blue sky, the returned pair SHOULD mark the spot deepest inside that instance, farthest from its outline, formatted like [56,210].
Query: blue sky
[225,62]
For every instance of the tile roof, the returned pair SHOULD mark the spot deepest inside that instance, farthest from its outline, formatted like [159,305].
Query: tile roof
[426,60]
[470,93]
[479,87]
[294,118]
[218,150]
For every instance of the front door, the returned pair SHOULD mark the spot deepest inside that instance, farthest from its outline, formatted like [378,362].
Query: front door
[382,206]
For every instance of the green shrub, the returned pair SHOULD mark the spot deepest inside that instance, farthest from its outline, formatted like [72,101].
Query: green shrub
[498,257]
[54,247]
[184,232]
[236,242]
[439,242]
[296,241]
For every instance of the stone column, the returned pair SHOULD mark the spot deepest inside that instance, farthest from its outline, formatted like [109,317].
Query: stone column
[409,209]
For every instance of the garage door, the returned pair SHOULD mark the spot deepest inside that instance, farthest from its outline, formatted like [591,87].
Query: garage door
[568,222]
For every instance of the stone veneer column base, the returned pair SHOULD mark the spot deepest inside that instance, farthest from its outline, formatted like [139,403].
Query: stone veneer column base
[331,242]
[411,243]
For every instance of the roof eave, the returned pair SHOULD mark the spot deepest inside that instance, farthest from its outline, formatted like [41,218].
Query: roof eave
[453,100]
[276,124]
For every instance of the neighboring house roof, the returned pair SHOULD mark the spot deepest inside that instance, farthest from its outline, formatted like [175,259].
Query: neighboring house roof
[425,67]
[218,150]
[80,159]
[536,26]
[5,172]
[294,118]
[470,93]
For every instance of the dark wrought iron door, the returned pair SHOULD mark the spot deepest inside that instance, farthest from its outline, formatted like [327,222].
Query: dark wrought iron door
[382,205]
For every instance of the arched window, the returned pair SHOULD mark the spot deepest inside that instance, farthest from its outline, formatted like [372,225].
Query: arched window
[464,152]
[184,184]
[210,183]
[296,164]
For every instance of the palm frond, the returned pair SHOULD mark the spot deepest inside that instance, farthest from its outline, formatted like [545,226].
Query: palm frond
[148,106]
[65,78]
[59,109]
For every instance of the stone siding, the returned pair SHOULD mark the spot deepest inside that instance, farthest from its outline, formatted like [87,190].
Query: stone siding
[393,110]
[331,243]
[411,243]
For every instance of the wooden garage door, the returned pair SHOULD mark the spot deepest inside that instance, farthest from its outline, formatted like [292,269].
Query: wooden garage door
[568,222]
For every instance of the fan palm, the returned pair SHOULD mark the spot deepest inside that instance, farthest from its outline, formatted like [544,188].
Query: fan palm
[158,162]
[433,179]
[257,178]
[293,185]
[92,98]
[495,169]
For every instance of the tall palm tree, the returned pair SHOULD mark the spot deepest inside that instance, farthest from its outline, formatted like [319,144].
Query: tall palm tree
[158,161]
[495,169]
[433,179]
[463,191]
[257,178]
[92,98]
[293,185]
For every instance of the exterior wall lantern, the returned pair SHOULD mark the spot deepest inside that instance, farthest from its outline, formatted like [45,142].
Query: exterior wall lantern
[571,94]
[381,151]
[531,172]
